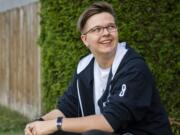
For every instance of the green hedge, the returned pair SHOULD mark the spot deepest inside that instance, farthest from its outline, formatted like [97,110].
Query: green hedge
[149,26]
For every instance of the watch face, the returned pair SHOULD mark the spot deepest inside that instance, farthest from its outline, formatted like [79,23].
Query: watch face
[59,123]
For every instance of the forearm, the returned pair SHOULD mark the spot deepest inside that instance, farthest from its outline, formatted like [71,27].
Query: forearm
[82,124]
[53,115]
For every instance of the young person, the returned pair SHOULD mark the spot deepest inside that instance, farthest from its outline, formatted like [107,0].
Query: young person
[112,91]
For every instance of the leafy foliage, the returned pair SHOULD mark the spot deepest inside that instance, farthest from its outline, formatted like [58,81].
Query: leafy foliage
[11,121]
[150,26]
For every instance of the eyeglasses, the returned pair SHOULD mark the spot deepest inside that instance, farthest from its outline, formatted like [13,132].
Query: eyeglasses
[98,30]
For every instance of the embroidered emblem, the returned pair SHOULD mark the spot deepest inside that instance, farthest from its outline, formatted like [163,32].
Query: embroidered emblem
[123,90]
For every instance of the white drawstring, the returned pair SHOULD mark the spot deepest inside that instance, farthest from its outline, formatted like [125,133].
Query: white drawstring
[79,97]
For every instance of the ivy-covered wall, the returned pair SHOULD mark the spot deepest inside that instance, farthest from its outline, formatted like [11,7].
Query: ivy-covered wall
[150,26]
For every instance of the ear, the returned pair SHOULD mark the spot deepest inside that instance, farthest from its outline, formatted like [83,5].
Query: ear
[84,39]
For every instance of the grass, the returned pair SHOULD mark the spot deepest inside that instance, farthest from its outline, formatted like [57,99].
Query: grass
[11,122]
[12,133]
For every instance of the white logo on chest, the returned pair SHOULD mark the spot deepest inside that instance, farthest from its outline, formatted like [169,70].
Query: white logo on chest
[123,90]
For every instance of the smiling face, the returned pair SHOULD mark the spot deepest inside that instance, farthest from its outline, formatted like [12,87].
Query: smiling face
[101,35]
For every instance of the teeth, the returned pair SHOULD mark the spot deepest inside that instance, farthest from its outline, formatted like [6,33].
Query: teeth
[107,41]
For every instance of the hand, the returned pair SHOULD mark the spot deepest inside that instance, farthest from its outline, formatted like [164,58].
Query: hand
[41,127]
[33,129]
[28,129]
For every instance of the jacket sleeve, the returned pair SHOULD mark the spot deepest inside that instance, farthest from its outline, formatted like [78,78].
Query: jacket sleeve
[68,103]
[129,100]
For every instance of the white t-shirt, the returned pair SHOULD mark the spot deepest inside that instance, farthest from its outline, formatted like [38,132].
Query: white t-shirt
[100,82]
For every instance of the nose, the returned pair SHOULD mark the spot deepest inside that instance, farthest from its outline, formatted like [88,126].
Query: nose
[105,31]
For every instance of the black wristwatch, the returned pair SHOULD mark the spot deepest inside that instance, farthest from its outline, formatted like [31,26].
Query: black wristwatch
[59,123]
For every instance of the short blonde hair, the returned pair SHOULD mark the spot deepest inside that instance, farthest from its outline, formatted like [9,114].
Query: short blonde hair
[95,8]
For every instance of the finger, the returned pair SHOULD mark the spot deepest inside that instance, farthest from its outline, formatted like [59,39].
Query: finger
[28,130]
[34,131]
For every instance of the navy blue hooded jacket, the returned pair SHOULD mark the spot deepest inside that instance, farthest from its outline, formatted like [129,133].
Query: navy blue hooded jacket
[130,104]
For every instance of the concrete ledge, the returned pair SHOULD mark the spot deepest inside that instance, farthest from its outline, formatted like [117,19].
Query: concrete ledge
[10,4]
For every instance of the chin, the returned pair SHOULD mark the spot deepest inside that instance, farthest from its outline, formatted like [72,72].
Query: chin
[108,50]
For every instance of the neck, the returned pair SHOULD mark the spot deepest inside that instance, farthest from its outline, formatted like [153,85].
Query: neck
[105,61]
